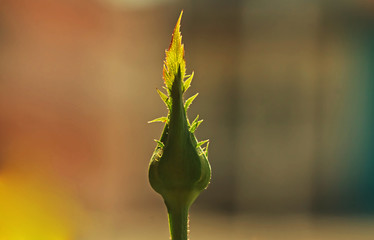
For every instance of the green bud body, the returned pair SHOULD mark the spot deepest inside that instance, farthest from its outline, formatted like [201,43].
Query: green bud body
[179,170]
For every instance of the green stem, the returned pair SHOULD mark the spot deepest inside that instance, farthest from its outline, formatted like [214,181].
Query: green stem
[178,222]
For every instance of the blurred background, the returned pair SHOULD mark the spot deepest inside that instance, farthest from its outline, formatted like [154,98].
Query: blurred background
[286,94]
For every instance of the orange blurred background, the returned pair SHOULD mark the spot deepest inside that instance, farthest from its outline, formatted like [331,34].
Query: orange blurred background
[278,87]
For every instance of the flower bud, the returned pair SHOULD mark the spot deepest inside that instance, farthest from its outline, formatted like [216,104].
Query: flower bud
[179,169]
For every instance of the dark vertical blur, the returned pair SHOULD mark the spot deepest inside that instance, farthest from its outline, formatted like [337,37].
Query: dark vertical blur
[353,189]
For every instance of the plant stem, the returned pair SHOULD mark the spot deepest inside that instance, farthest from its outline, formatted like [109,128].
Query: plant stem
[178,222]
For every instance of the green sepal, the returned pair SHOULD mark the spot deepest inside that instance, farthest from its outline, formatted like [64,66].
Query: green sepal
[159,143]
[160,119]
[206,149]
[195,124]
[189,101]
[164,98]
[187,83]
[199,144]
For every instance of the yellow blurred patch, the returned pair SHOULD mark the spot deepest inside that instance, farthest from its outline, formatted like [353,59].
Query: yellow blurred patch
[33,210]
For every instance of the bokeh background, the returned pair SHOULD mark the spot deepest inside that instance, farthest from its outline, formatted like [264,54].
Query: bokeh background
[286,94]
